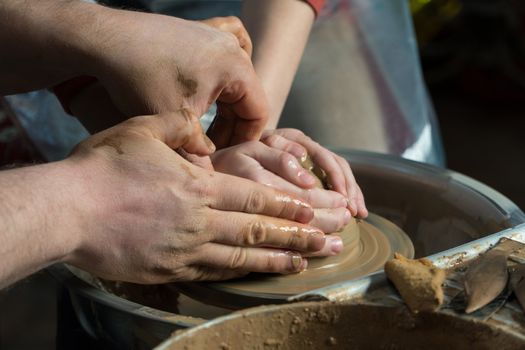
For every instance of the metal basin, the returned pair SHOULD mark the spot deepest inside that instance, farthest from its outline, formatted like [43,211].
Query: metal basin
[438,208]
[325,325]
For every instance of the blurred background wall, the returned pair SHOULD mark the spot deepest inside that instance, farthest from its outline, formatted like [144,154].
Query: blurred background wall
[473,57]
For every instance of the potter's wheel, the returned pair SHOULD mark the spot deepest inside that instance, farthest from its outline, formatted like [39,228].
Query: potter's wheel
[368,244]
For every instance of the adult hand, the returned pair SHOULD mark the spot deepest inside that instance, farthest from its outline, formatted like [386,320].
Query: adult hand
[104,113]
[149,216]
[147,63]
[340,176]
[279,168]
[233,25]
[156,63]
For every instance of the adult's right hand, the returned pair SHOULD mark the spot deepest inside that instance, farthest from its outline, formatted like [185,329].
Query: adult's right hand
[148,216]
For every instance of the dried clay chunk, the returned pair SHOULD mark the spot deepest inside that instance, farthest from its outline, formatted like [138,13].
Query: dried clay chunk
[418,281]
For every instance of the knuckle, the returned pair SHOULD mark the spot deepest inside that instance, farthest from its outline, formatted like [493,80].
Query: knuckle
[294,240]
[257,176]
[341,160]
[336,199]
[285,159]
[298,133]
[255,203]
[235,21]
[202,189]
[238,258]
[255,234]
[252,145]
[272,265]
[272,140]
[200,192]
[295,133]
[309,195]
[340,222]
[167,268]
[202,274]
[231,42]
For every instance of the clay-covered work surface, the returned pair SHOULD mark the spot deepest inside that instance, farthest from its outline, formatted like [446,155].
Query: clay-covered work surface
[342,326]
[368,244]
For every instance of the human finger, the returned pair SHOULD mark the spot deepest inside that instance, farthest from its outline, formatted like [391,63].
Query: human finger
[322,157]
[356,202]
[242,110]
[316,197]
[219,256]
[249,230]
[232,24]
[333,246]
[327,161]
[282,143]
[176,129]
[331,220]
[232,193]
[362,211]
[283,164]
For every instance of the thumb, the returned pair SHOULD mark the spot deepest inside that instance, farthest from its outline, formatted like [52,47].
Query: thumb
[180,129]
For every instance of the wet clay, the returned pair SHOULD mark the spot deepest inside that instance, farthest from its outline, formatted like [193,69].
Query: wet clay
[329,325]
[318,173]
[418,281]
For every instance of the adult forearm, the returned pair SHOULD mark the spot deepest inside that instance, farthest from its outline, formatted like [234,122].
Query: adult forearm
[37,219]
[46,41]
[279,30]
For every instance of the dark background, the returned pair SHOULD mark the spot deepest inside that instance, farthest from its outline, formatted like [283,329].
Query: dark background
[473,56]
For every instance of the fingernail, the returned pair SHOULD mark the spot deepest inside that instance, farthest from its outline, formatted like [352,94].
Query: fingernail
[304,265]
[347,217]
[336,244]
[297,262]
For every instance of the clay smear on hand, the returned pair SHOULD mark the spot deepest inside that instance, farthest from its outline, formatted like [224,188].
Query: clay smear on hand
[418,281]
[189,86]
